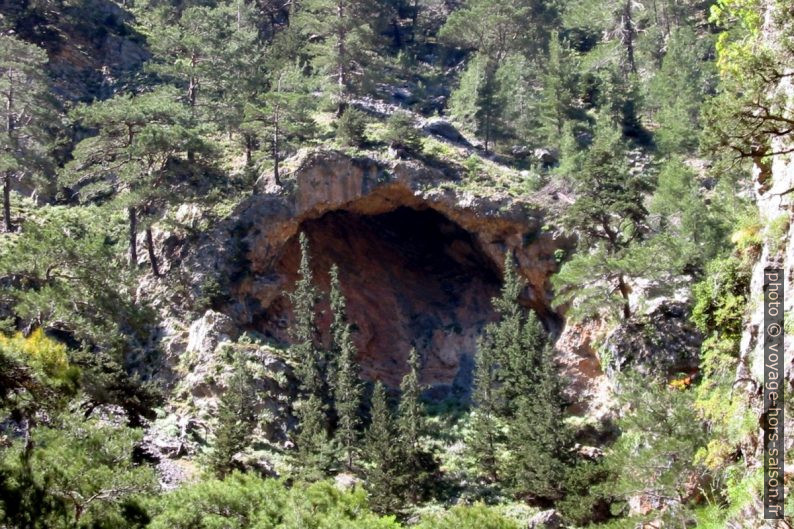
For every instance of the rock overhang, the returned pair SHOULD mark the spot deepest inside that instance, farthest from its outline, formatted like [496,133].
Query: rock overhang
[332,194]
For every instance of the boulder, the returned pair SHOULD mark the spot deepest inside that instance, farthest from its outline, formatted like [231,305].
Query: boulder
[663,341]
[545,156]
[188,215]
[210,330]
[444,129]
[520,151]
[549,519]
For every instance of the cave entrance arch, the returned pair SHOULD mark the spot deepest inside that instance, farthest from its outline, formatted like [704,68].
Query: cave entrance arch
[412,278]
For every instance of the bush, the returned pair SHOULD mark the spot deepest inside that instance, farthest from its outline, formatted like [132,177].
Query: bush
[469,517]
[245,501]
[721,298]
[401,132]
[588,497]
[351,127]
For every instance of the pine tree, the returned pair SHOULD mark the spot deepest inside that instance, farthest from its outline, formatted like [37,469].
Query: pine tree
[410,427]
[304,351]
[538,441]
[486,436]
[130,156]
[76,283]
[610,214]
[75,472]
[27,113]
[280,117]
[345,382]
[236,419]
[383,470]
[341,42]
[558,92]
[495,30]
[661,435]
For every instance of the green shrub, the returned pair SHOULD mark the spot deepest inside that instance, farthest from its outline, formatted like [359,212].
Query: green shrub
[469,517]
[401,132]
[776,230]
[721,298]
[351,128]
[246,501]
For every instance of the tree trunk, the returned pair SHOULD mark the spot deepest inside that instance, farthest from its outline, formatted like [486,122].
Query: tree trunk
[133,217]
[152,255]
[249,147]
[624,291]
[628,36]
[7,176]
[7,202]
[276,178]
[414,18]
[341,59]
[192,94]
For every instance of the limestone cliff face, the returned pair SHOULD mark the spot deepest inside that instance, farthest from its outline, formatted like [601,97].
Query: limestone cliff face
[419,259]
[773,186]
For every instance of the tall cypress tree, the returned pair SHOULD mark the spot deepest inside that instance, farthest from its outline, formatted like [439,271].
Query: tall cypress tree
[486,436]
[338,323]
[417,464]
[304,351]
[382,455]
[411,415]
[347,395]
[506,335]
[313,456]
[538,441]
[516,383]
[345,381]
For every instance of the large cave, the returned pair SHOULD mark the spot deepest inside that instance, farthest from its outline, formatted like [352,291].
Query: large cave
[419,261]
[412,278]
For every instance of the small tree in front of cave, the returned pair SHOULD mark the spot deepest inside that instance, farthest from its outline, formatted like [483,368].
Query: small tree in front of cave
[486,437]
[236,419]
[417,463]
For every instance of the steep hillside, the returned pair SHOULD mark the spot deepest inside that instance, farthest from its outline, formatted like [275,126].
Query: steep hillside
[391,264]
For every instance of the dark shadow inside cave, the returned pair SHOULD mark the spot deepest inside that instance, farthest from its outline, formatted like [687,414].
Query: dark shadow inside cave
[412,278]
